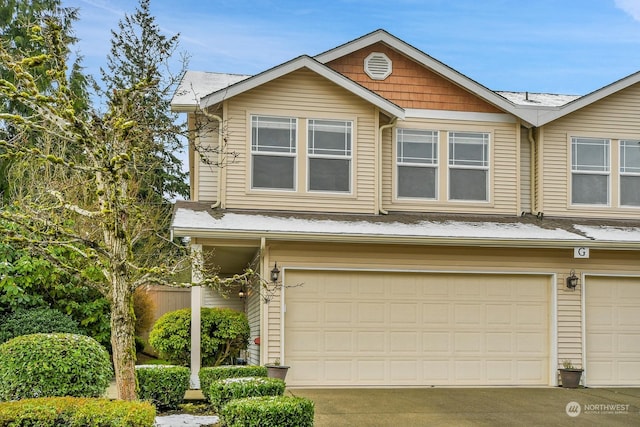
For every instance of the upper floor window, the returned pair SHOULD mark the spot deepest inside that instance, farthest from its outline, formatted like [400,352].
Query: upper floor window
[590,166]
[469,166]
[273,152]
[417,160]
[329,151]
[629,173]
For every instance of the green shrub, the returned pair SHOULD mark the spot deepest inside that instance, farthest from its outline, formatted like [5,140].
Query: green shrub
[222,391]
[163,385]
[281,411]
[35,321]
[45,365]
[224,333]
[210,374]
[76,412]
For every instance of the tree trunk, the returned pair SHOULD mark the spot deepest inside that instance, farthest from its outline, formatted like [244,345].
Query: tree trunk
[122,339]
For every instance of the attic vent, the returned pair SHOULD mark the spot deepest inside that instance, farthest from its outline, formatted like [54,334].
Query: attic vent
[377,66]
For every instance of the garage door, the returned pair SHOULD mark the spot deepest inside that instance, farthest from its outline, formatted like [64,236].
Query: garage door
[612,313]
[392,329]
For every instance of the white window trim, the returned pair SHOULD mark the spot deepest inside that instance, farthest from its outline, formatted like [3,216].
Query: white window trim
[436,165]
[486,168]
[606,173]
[274,154]
[310,156]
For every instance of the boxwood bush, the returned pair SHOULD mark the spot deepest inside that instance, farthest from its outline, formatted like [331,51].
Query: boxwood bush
[222,391]
[74,411]
[214,373]
[39,320]
[45,365]
[224,333]
[162,385]
[265,411]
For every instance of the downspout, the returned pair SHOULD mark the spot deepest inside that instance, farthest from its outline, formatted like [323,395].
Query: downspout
[532,171]
[219,163]
[391,124]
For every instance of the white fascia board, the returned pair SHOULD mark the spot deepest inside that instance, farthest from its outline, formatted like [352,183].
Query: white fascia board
[459,115]
[551,115]
[400,240]
[427,61]
[296,64]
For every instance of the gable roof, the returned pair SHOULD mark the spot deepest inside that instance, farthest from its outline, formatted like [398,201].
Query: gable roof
[196,84]
[298,63]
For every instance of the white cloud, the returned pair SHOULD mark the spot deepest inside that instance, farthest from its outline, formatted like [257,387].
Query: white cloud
[631,7]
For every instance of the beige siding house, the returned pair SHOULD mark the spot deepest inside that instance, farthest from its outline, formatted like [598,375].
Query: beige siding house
[424,227]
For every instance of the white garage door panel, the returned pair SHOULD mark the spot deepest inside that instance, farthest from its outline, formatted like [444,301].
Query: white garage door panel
[612,311]
[365,328]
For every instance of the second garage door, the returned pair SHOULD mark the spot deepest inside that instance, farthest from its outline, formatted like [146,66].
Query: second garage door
[391,329]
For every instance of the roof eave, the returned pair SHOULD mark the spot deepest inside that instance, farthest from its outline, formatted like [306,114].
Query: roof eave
[402,240]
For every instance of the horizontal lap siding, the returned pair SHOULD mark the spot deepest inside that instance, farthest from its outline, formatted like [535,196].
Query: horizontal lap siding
[617,116]
[208,171]
[525,171]
[503,178]
[302,94]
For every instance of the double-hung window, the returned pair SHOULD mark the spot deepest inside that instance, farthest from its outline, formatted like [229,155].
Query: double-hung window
[329,155]
[417,161]
[469,166]
[590,166]
[629,173]
[273,152]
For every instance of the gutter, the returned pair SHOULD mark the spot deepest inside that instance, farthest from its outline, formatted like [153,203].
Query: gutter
[406,240]
[382,128]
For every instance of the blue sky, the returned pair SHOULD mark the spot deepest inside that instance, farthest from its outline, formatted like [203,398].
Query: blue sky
[556,46]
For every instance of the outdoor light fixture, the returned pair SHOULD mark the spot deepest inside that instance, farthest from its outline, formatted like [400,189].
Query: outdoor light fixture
[572,280]
[275,273]
[242,293]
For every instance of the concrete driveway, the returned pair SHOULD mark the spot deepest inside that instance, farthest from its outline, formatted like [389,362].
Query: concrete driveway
[474,406]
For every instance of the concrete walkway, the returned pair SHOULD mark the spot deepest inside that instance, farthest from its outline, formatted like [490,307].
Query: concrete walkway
[474,407]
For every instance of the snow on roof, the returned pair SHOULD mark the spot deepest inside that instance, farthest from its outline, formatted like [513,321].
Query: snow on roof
[538,99]
[604,232]
[197,84]
[200,220]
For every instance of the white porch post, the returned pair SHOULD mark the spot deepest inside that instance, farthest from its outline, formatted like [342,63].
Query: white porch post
[196,303]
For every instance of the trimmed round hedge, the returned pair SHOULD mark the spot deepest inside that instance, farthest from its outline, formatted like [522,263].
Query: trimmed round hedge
[214,373]
[224,333]
[37,321]
[281,411]
[163,385]
[46,365]
[222,391]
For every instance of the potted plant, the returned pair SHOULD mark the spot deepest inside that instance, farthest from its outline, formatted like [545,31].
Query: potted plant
[569,375]
[276,370]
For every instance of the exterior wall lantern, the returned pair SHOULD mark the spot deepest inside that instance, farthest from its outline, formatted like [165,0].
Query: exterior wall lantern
[275,273]
[572,280]
[242,293]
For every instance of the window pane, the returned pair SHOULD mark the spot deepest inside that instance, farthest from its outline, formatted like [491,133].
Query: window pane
[273,134]
[590,154]
[330,137]
[417,182]
[415,146]
[273,172]
[630,156]
[590,189]
[469,149]
[467,184]
[329,175]
[630,190]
